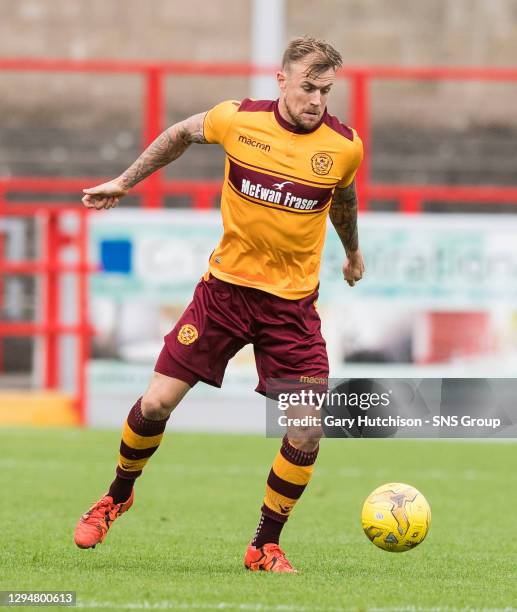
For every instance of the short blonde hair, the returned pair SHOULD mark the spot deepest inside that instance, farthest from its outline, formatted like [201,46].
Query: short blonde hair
[325,56]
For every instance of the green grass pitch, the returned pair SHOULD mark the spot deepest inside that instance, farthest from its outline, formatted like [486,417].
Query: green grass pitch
[197,504]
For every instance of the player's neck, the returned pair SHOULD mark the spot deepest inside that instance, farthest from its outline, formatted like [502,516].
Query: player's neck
[284,113]
[285,119]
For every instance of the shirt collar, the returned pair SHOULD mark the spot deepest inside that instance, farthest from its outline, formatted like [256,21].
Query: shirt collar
[294,128]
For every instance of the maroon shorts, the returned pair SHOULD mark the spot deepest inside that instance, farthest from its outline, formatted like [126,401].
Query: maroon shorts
[222,318]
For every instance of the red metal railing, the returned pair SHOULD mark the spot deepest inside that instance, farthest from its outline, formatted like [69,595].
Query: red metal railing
[50,267]
[409,197]
[152,192]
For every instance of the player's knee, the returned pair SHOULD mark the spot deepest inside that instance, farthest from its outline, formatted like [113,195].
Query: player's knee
[306,441]
[154,407]
[162,396]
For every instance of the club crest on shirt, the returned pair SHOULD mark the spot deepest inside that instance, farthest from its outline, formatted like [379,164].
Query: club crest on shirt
[321,163]
[187,334]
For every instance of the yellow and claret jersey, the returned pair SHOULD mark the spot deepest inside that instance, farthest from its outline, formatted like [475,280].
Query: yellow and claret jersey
[277,191]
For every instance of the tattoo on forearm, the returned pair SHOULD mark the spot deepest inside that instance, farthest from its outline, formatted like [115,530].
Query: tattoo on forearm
[169,145]
[343,214]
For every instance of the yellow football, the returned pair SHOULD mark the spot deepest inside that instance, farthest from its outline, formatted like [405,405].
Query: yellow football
[396,517]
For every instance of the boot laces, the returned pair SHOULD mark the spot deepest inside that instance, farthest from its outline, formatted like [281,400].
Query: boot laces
[281,559]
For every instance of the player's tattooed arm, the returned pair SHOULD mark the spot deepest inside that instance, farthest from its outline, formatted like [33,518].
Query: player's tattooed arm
[169,145]
[343,214]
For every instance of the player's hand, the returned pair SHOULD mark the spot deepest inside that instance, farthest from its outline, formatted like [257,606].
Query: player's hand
[353,269]
[105,196]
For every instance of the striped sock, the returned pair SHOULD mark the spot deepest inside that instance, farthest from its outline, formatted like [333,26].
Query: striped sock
[290,474]
[140,439]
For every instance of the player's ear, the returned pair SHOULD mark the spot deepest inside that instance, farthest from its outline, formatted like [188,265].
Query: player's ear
[281,79]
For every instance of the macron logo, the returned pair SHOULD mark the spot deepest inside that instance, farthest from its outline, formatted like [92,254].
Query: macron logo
[254,143]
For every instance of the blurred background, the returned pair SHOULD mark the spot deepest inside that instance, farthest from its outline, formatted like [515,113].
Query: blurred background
[85,298]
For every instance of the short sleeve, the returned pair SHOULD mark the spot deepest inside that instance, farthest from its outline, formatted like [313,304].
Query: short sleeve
[353,163]
[218,120]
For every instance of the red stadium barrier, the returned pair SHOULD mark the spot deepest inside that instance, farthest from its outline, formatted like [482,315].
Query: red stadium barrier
[409,197]
[50,268]
[359,77]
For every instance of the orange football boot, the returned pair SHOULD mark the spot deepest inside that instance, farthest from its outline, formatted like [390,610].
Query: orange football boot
[268,558]
[93,526]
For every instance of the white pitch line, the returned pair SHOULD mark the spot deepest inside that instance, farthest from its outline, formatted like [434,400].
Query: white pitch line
[50,464]
[223,605]
[249,607]
[438,609]
[239,470]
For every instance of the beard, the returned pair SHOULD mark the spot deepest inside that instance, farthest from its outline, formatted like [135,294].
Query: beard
[298,120]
